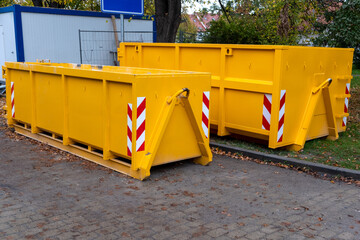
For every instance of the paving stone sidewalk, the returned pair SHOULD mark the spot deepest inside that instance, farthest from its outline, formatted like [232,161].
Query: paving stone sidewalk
[42,198]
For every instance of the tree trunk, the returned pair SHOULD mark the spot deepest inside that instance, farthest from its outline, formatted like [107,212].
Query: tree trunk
[37,3]
[168,18]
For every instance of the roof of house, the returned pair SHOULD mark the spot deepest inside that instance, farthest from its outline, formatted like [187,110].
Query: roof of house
[202,21]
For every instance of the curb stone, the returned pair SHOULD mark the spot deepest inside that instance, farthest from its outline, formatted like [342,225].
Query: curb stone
[317,167]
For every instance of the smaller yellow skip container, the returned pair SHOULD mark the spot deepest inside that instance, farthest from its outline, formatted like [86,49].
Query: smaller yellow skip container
[282,94]
[126,119]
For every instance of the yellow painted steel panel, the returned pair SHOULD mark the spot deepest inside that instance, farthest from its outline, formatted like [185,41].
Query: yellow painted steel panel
[179,148]
[305,68]
[193,59]
[243,75]
[250,112]
[319,126]
[22,85]
[49,102]
[161,56]
[249,64]
[214,106]
[120,95]
[86,110]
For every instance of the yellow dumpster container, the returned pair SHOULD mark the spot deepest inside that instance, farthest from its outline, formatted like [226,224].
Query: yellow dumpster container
[126,119]
[283,94]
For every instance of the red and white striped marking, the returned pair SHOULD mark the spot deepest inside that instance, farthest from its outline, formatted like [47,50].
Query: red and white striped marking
[12,100]
[205,113]
[266,111]
[129,129]
[346,106]
[140,124]
[281,116]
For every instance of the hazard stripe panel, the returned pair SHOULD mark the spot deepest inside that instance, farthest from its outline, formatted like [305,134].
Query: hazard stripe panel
[12,100]
[140,124]
[129,129]
[281,116]
[205,113]
[266,117]
[346,106]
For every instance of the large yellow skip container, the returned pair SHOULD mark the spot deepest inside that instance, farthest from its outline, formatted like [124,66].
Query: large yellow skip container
[283,94]
[127,119]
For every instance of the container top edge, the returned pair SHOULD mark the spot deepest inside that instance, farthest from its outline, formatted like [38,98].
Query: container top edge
[235,46]
[121,70]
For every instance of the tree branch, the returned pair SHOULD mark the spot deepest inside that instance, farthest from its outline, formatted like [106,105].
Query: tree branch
[224,11]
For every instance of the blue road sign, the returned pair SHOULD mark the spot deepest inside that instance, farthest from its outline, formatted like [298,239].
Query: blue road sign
[123,6]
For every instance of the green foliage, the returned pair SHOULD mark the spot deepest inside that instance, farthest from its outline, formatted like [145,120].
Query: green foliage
[356,72]
[87,5]
[5,3]
[235,32]
[187,31]
[287,21]
[341,28]
[264,22]
[149,7]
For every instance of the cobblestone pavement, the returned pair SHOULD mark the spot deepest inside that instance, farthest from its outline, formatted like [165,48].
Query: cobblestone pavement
[42,198]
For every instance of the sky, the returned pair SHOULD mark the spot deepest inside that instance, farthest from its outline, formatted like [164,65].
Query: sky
[195,7]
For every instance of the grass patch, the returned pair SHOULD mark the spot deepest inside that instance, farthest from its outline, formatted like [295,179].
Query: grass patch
[355,82]
[344,152]
[356,72]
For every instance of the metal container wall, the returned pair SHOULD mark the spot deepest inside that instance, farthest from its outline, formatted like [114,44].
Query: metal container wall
[252,84]
[127,119]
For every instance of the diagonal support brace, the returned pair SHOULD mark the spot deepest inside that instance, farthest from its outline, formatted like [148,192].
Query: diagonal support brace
[161,125]
[309,113]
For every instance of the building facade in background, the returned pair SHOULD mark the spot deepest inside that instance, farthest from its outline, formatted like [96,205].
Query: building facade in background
[28,34]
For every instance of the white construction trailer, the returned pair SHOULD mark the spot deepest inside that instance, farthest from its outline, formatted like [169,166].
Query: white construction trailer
[28,34]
